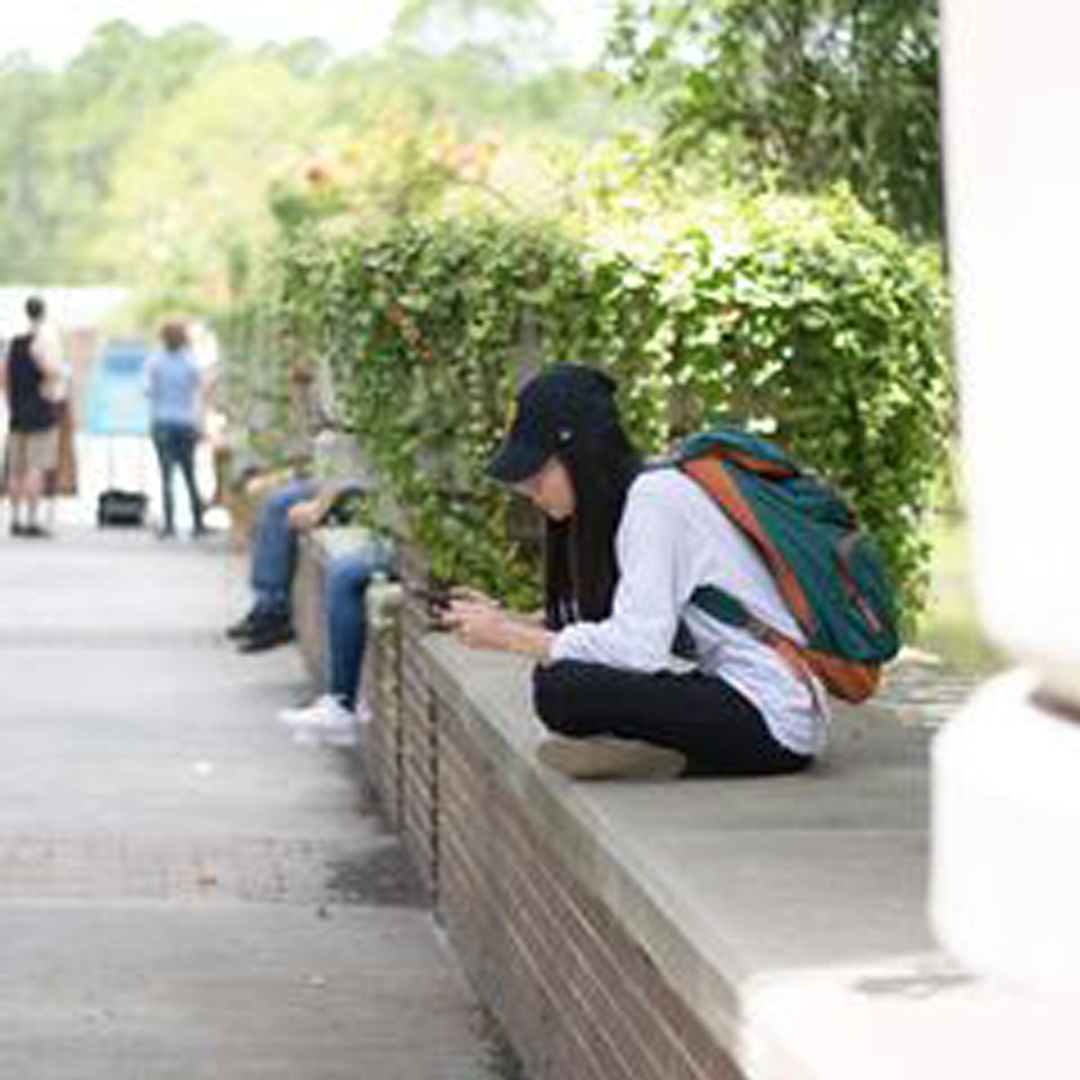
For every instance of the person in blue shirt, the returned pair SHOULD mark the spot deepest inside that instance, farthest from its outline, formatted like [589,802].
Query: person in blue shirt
[176,395]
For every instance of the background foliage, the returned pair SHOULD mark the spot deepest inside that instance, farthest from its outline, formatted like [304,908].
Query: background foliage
[429,223]
[803,318]
[147,159]
[806,92]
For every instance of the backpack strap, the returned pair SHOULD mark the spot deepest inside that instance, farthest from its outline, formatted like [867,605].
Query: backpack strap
[712,474]
[731,471]
[726,608]
[847,679]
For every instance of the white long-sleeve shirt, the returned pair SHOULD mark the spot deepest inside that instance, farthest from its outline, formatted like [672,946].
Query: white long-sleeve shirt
[672,538]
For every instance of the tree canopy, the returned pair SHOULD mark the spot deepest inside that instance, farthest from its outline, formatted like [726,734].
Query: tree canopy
[809,92]
[149,157]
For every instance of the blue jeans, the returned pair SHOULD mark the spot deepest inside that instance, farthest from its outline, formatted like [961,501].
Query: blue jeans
[175,446]
[347,580]
[273,556]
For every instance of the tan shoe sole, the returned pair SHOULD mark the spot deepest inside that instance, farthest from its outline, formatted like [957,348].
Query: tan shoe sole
[607,758]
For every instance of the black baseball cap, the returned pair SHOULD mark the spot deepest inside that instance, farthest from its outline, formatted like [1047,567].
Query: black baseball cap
[550,410]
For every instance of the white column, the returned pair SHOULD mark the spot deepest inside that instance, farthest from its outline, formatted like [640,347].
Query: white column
[1006,862]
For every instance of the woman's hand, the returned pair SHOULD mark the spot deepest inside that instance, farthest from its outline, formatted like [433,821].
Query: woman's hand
[480,624]
[483,625]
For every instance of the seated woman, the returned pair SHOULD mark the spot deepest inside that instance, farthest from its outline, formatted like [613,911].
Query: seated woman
[625,549]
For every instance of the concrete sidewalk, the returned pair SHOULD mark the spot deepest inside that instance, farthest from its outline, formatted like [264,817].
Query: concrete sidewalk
[185,893]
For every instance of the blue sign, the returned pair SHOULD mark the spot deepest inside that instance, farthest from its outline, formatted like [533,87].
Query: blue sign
[117,402]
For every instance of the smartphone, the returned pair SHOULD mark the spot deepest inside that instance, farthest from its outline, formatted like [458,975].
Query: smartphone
[435,602]
[435,599]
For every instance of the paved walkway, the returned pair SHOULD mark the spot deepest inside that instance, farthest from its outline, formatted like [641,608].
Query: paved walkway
[184,893]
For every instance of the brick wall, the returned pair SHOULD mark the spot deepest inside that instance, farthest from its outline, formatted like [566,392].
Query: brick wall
[419,730]
[581,999]
[579,996]
[307,605]
[620,931]
[381,682]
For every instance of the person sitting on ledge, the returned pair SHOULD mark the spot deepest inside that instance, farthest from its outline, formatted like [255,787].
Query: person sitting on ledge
[297,506]
[625,548]
[335,716]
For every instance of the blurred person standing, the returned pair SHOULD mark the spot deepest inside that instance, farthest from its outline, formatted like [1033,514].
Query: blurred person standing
[33,378]
[176,392]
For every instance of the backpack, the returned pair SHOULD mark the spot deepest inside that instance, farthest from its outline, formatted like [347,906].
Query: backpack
[827,570]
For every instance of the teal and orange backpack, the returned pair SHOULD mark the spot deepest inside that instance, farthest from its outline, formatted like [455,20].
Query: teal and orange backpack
[827,569]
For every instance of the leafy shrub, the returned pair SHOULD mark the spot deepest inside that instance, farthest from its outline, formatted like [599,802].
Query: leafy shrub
[803,319]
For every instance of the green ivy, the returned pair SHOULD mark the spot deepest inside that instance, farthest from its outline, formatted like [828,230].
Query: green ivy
[806,320]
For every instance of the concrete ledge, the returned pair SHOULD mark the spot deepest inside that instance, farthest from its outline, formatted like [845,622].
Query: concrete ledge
[1007,836]
[770,929]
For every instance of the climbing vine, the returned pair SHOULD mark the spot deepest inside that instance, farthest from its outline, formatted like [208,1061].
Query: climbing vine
[806,320]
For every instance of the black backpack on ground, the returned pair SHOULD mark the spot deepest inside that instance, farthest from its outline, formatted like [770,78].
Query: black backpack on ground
[119,508]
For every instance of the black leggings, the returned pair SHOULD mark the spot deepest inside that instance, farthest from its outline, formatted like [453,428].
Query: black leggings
[704,717]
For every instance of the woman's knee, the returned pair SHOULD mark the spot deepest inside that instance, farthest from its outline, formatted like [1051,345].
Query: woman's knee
[556,694]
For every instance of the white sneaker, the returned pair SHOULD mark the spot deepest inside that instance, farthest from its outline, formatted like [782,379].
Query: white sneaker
[325,716]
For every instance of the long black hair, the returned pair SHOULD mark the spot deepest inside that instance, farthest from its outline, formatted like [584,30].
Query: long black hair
[580,570]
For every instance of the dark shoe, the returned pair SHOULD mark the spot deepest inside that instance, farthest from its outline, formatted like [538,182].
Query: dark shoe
[38,532]
[267,634]
[17,530]
[242,628]
[257,619]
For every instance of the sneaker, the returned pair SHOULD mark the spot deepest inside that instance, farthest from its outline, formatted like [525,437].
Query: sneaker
[325,721]
[38,532]
[604,757]
[17,529]
[267,634]
[326,711]
[243,627]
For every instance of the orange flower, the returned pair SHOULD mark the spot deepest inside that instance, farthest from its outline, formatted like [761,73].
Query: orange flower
[317,175]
